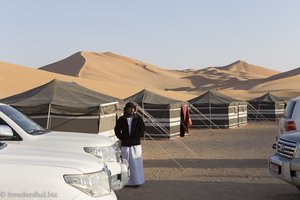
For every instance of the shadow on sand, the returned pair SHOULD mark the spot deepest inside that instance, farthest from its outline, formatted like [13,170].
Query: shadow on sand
[208,163]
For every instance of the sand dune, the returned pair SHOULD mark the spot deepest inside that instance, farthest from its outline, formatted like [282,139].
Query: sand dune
[238,75]
[245,70]
[15,79]
[120,76]
[288,74]
[110,67]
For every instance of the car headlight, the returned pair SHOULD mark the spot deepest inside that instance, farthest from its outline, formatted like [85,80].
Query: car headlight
[94,184]
[107,154]
[117,151]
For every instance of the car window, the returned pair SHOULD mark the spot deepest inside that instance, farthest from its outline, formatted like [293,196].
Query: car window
[288,113]
[23,121]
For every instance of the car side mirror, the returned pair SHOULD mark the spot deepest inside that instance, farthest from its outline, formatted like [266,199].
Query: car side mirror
[6,131]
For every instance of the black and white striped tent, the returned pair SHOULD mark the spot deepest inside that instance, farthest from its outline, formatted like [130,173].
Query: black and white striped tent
[267,106]
[165,111]
[67,106]
[215,110]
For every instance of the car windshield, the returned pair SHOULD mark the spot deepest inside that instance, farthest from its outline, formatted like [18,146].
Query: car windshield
[289,109]
[23,121]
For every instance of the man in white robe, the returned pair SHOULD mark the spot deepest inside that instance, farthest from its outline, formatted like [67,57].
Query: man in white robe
[130,128]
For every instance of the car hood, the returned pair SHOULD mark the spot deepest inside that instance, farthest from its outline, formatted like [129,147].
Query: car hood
[69,141]
[25,155]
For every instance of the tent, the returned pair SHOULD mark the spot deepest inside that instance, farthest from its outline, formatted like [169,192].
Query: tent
[267,106]
[67,106]
[166,111]
[216,110]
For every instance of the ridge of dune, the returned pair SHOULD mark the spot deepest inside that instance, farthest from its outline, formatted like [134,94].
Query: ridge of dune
[282,83]
[287,74]
[237,75]
[71,65]
[15,79]
[111,67]
[243,69]
[242,66]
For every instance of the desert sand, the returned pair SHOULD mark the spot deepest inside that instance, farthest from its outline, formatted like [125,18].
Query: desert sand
[223,164]
[207,164]
[15,79]
[120,77]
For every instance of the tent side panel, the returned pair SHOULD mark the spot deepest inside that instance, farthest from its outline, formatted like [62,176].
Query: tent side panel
[107,122]
[262,111]
[223,117]
[279,111]
[168,122]
[82,124]
[242,115]
[200,117]
[214,117]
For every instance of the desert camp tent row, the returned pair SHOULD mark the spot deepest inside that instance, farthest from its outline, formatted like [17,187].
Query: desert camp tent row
[215,110]
[165,111]
[67,106]
[266,107]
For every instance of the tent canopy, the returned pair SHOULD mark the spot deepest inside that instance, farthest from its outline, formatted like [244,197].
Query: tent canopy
[64,98]
[268,97]
[150,99]
[215,98]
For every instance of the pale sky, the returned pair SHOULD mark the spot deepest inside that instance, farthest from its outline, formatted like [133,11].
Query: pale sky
[173,34]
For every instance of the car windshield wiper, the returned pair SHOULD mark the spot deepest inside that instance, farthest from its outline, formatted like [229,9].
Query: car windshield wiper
[38,131]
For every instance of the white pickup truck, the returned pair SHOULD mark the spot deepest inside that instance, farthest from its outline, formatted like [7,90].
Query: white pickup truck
[285,163]
[290,121]
[28,133]
[28,173]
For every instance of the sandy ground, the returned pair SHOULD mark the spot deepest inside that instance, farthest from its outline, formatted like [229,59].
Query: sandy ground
[215,164]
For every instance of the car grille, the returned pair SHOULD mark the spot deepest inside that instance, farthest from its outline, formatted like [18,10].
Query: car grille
[286,148]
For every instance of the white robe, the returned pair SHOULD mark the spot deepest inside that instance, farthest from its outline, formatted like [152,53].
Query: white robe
[133,155]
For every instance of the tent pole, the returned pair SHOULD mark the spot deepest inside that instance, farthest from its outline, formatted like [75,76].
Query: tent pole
[143,118]
[210,115]
[48,118]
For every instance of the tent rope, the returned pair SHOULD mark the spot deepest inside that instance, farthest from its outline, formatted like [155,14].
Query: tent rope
[165,151]
[149,118]
[195,110]
[258,115]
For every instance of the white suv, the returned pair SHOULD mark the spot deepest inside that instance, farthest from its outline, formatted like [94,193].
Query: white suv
[28,133]
[28,173]
[290,121]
